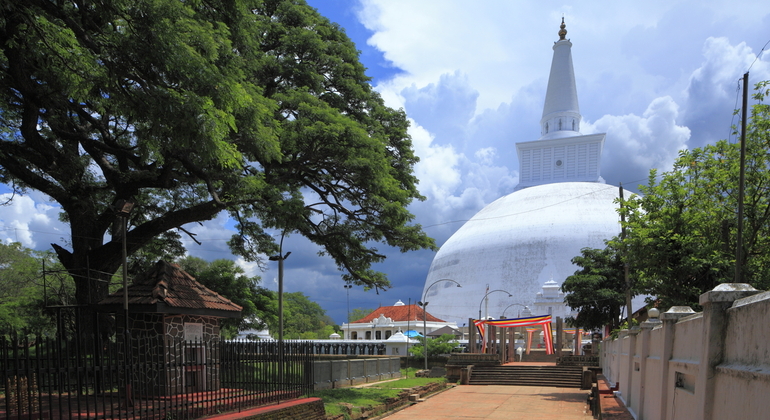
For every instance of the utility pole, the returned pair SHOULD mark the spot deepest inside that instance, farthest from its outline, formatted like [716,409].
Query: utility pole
[629,310]
[347,289]
[741,184]
[280,258]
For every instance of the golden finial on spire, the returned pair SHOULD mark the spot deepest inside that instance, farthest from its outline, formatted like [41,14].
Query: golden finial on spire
[563,30]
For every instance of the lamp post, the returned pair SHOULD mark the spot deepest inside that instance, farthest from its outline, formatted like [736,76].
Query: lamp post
[424,305]
[347,290]
[489,293]
[512,304]
[280,258]
[123,210]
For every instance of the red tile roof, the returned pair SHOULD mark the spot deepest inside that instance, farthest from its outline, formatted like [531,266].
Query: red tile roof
[167,287]
[398,313]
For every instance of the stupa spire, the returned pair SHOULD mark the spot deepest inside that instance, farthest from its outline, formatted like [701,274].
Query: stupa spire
[561,154]
[561,113]
[562,30]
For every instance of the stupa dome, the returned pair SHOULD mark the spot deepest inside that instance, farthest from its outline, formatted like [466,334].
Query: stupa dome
[519,243]
[523,244]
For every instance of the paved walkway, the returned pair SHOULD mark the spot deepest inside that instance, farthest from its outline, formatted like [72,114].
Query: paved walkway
[493,402]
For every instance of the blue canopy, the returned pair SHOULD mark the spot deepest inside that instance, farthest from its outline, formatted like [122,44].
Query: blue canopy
[412,333]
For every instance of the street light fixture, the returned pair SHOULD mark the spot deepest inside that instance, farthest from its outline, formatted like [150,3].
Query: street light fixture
[489,293]
[512,304]
[424,305]
[347,289]
[123,210]
[280,258]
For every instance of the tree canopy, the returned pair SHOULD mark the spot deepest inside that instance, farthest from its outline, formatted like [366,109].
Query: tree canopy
[682,229]
[30,281]
[597,290]
[359,313]
[436,346]
[257,108]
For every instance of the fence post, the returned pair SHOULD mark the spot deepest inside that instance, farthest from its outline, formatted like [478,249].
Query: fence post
[632,333]
[715,304]
[647,327]
[669,319]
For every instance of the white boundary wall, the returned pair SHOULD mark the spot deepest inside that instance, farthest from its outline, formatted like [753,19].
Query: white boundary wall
[711,365]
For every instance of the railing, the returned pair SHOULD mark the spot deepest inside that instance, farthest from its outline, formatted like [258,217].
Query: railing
[62,379]
[371,348]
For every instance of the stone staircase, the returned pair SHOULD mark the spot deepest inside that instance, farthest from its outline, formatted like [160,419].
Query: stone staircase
[556,376]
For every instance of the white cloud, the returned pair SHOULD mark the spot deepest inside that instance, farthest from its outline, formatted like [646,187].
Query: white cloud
[29,220]
[715,87]
[636,144]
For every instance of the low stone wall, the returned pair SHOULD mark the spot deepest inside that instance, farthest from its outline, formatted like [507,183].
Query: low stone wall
[330,371]
[304,409]
[577,361]
[708,366]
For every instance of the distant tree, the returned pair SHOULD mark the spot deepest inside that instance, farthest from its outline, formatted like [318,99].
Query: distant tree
[257,108]
[30,282]
[226,278]
[303,318]
[436,346]
[683,228]
[19,279]
[359,313]
[597,290]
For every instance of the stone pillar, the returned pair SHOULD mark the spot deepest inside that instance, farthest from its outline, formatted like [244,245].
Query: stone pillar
[559,330]
[715,304]
[577,351]
[669,319]
[644,353]
[472,345]
[595,341]
[632,337]
[491,339]
[618,368]
[529,341]
[490,334]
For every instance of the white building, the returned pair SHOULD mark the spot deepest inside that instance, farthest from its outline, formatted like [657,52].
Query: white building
[551,302]
[521,241]
[386,321]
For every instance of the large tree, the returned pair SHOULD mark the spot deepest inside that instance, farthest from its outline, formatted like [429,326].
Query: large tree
[257,108]
[682,229]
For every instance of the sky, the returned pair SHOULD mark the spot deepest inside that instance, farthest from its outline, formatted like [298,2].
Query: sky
[656,76]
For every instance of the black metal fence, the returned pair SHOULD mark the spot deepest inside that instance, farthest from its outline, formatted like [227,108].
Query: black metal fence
[349,348]
[157,379]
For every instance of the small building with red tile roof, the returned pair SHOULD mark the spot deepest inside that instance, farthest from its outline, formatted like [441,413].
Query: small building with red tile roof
[169,309]
[385,321]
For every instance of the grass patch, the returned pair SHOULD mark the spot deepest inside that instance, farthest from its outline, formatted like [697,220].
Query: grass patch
[407,383]
[349,401]
[359,397]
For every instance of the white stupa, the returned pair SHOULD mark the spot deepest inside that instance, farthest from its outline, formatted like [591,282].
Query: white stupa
[528,238]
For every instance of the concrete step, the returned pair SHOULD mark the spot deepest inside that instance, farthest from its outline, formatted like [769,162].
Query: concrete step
[569,377]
